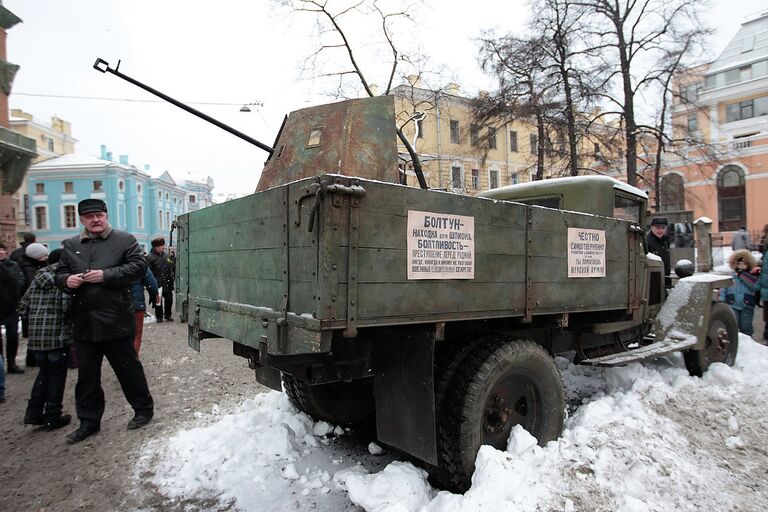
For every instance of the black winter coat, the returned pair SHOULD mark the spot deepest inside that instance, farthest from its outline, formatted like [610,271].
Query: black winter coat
[660,247]
[9,292]
[29,267]
[163,267]
[102,311]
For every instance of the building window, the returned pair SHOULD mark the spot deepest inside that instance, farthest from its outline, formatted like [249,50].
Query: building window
[70,216]
[690,93]
[420,127]
[475,179]
[39,189]
[514,178]
[97,186]
[50,145]
[746,109]
[121,185]
[454,131]
[167,196]
[731,200]
[69,188]
[474,134]
[693,123]
[168,220]
[672,197]
[534,144]
[140,216]
[192,199]
[138,188]
[174,200]
[159,194]
[493,178]
[160,219]
[41,217]
[456,181]
[513,141]
[492,138]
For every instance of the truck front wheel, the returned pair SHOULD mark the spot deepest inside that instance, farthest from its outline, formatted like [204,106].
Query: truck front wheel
[502,384]
[338,403]
[722,342]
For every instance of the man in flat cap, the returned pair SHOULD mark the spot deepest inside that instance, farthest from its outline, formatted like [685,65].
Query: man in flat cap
[162,266]
[97,268]
[658,244]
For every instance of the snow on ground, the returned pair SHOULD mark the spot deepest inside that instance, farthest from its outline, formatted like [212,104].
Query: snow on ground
[639,438]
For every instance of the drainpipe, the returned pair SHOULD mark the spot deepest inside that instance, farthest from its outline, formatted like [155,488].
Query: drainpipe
[439,152]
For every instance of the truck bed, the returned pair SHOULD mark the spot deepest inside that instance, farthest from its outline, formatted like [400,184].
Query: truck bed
[287,266]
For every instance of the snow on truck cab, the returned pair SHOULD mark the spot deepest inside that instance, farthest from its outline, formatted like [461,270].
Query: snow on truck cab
[437,315]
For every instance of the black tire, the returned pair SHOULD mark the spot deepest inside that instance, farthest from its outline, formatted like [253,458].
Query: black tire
[722,342]
[502,384]
[338,403]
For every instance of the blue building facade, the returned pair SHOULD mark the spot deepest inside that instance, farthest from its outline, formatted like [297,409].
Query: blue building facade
[137,203]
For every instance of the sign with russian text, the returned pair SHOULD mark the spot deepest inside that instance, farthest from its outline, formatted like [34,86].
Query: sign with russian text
[586,252]
[440,246]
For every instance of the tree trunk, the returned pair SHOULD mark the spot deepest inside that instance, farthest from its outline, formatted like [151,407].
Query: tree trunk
[540,148]
[630,126]
[414,159]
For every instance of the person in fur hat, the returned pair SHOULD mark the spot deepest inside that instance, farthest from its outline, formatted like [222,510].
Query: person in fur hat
[741,296]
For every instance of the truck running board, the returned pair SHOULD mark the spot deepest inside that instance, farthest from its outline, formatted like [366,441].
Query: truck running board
[653,350]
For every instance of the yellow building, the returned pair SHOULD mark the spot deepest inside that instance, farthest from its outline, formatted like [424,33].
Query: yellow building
[458,155]
[53,139]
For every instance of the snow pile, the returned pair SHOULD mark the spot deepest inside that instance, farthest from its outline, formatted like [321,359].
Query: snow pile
[241,457]
[639,438]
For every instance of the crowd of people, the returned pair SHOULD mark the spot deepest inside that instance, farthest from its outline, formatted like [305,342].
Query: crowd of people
[78,305]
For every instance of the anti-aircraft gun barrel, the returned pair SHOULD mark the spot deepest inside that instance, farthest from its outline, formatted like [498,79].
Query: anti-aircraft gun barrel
[103,66]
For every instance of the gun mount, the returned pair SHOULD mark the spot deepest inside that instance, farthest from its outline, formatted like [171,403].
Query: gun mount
[103,66]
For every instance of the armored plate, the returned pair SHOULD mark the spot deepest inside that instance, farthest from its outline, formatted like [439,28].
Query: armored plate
[353,137]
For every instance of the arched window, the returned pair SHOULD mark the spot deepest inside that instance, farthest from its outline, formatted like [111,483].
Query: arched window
[731,201]
[672,196]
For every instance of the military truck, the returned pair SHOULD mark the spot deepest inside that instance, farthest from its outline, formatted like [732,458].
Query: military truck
[435,314]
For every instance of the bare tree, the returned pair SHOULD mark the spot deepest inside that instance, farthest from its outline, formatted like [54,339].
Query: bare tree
[526,88]
[559,22]
[335,37]
[637,32]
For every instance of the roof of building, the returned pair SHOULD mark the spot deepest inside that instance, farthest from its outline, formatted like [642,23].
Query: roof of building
[73,160]
[749,44]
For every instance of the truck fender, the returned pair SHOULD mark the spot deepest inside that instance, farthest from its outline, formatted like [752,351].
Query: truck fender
[686,311]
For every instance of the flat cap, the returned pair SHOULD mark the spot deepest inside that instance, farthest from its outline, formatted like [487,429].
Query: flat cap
[91,205]
[659,221]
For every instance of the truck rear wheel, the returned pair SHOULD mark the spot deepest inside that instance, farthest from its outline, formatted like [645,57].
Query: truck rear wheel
[722,342]
[338,403]
[502,384]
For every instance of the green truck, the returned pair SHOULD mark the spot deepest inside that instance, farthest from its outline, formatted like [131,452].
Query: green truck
[435,313]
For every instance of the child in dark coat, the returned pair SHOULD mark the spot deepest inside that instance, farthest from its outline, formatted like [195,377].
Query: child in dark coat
[46,308]
[741,296]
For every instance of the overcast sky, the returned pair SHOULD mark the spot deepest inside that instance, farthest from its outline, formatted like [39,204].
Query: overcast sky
[232,52]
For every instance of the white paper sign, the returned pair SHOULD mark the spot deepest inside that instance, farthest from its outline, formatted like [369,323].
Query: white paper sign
[586,252]
[440,246]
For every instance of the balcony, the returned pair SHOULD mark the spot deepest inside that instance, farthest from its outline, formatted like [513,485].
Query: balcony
[16,155]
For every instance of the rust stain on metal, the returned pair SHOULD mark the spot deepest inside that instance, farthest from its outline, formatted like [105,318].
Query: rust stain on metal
[353,137]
